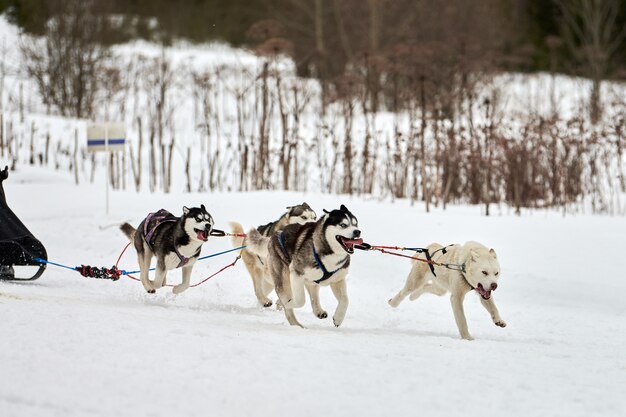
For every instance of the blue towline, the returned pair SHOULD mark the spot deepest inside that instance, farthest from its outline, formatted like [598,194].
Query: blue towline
[45,261]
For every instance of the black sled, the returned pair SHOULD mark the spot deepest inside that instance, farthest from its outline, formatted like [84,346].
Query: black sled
[18,246]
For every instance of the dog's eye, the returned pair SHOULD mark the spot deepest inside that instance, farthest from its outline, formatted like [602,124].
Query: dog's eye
[303,217]
[343,225]
[496,274]
[485,273]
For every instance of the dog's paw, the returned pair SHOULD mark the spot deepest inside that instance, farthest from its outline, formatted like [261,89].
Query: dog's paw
[467,337]
[393,302]
[177,289]
[337,322]
[267,303]
[296,323]
[322,315]
[500,323]
[151,291]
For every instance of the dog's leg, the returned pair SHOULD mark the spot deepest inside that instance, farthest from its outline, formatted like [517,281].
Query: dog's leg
[490,306]
[267,286]
[159,276]
[297,289]
[341,294]
[259,287]
[428,288]
[456,300]
[186,278]
[291,317]
[282,285]
[314,295]
[415,280]
[144,267]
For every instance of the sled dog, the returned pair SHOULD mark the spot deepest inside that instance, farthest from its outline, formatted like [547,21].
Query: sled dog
[256,265]
[310,255]
[174,241]
[480,272]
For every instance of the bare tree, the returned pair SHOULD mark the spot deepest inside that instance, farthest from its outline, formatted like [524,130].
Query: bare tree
[65,63]
[592,34]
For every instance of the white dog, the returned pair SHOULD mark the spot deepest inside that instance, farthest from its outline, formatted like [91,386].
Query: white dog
[478,269]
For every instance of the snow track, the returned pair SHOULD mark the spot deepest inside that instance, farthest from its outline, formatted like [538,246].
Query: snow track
[71,346]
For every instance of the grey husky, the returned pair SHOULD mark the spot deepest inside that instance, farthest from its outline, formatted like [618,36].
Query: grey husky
[256,265]
[174,241]
[310,255]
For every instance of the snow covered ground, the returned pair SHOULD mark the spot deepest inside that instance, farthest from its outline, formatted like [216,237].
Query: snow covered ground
[71,346]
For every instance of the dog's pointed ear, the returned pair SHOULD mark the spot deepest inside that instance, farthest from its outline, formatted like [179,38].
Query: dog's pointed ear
[493,253]
[474,255]
[203,208]
[289,207]
[326,211]
[343,208]
[185,210]
[305,205]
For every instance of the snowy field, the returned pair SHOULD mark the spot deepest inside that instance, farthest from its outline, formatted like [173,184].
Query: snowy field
[72,346]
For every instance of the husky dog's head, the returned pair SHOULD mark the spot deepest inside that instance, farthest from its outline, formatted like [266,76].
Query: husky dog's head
[197,222]
[341,229]
[300,214]
[482,270]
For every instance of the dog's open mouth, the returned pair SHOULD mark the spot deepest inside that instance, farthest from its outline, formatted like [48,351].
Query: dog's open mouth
[486,294]
[202,234]
[348,244]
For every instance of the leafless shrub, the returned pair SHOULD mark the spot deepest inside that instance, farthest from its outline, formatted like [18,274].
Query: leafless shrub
[66,63]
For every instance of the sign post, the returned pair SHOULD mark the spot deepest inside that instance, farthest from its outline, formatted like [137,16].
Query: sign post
[107,137]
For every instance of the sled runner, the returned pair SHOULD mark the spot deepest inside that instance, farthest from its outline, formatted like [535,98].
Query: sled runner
[18,246]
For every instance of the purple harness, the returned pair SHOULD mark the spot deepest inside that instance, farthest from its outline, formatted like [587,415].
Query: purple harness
[152,223]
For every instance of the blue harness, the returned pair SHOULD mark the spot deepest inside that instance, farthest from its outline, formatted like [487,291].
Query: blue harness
[327,274]
[325,271]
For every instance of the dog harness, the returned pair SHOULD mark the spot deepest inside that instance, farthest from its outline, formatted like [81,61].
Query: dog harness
[150,226]
[325,271]
[454,267]
[327,274]
[281,240]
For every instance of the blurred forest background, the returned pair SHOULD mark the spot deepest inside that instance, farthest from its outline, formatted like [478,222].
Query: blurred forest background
[409,102]
[327,35]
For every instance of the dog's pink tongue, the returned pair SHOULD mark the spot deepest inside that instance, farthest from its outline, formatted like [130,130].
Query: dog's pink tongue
[202,235]
[353,242]
[485,294]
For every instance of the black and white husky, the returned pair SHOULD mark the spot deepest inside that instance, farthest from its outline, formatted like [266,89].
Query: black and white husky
[256,265]
[174,241]
[310,255]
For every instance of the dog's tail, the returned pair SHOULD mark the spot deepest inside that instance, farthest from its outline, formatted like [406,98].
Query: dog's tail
[236,229]
[128,230]
[257,243]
